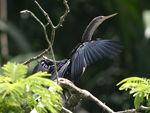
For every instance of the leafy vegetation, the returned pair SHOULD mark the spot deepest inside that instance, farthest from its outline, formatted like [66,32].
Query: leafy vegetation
[128,27]
[15,90]
[139,87]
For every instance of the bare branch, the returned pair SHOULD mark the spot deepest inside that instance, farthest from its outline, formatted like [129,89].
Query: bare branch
[141,108]
[36,57]
[45,14]
[45,32]
[46,36]
[46,51]
[62,18]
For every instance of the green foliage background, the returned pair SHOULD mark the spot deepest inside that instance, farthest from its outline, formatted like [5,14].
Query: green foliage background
[139,87]
[16,89]
[101,77]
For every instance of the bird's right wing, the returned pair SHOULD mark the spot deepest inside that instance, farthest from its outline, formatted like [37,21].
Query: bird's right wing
[89,52]
[47,65]
[43,65]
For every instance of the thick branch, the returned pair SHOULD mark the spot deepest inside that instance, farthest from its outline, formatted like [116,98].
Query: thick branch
[66,110]
[78,94]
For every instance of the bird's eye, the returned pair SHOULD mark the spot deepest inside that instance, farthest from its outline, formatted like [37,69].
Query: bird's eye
[101,17]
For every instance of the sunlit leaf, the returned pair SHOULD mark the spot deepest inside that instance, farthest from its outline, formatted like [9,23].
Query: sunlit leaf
[139,87]
[15,88]
[14,71]
[138,99]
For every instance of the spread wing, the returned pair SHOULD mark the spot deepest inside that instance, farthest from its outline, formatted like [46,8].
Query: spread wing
[89,52]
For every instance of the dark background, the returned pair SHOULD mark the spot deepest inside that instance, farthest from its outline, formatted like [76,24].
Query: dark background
[101,77]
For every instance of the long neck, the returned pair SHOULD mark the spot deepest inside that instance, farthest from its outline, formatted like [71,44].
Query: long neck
[87,35]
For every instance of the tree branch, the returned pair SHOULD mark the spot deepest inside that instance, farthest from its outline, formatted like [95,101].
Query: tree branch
[79,94]
[62,19]
[36,57]
[66,110]
[141,108]
[46,51]
[46,35]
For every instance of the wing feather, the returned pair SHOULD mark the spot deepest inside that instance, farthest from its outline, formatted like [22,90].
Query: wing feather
[89,52]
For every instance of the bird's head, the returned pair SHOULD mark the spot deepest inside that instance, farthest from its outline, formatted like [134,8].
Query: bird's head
[100,19]
[87,35]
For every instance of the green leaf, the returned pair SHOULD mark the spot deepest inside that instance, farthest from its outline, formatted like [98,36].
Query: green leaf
[139,87]
[49,99]
[132,79]
[44,81]
[138,99]
[4,78]
[16,89]
[15,71]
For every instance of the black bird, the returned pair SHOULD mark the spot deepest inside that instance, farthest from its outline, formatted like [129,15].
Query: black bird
[85,53]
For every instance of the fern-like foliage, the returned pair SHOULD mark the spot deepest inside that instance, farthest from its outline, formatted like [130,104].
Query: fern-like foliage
[139,87]
[15,90]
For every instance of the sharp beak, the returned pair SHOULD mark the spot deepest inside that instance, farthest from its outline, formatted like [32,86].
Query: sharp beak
[106,17]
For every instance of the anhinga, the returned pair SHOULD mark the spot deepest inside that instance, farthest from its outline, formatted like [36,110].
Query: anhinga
[85,53]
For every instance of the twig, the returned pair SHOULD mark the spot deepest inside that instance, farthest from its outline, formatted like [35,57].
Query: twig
[37,57]
[53,30]
[141,108]
[46,35]
[62,18]
[45,14]
[46,51]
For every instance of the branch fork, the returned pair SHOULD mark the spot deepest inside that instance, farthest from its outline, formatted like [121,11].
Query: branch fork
[45,32]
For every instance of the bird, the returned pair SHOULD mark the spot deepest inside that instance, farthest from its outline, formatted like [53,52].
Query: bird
[85,53]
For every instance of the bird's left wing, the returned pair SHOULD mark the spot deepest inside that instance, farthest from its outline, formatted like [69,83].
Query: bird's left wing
[89,52]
